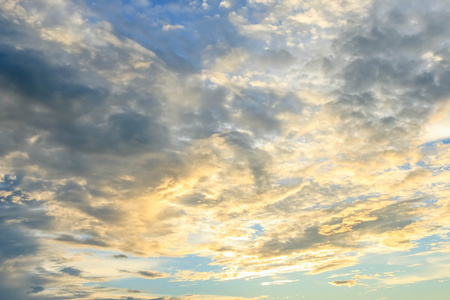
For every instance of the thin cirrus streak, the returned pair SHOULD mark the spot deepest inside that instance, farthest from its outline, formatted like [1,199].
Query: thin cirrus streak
[259,149]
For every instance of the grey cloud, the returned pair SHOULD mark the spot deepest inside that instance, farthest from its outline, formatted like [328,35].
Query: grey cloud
[120,256]
[73,192]
[277,59]
[148,274]
[209,118]
[152,275]
[16,280]
[36,289]
[136,129]
[28,213]
[16,206]
[169,298]
[93,241]
[67,107]
[304,239]
[15,242]
[18,213]
[256,111]
[121,298]
[10,182]
[391,218]
[124,133]
[52,88]
[348,283]
[170,213]
[20,289]
[257,160]
[79,197]
[193,200]
[386,66]
[72,271]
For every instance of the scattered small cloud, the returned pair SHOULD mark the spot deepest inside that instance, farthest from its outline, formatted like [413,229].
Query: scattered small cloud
[348,283]
[277,282]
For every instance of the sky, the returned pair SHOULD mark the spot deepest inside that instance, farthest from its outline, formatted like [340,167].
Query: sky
[224,149]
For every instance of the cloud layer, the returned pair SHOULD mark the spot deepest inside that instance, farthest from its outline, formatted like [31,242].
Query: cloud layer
[271,137]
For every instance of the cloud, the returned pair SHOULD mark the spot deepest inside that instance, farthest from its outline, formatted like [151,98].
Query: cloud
[152,275]
[147,274]
[72,271]
[277,282]
[187,275]
[159,129]
[172,27]
[83,241]
[36,289]
[348,283]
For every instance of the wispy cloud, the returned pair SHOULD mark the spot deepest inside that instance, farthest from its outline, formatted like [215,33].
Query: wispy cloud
[277,282]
